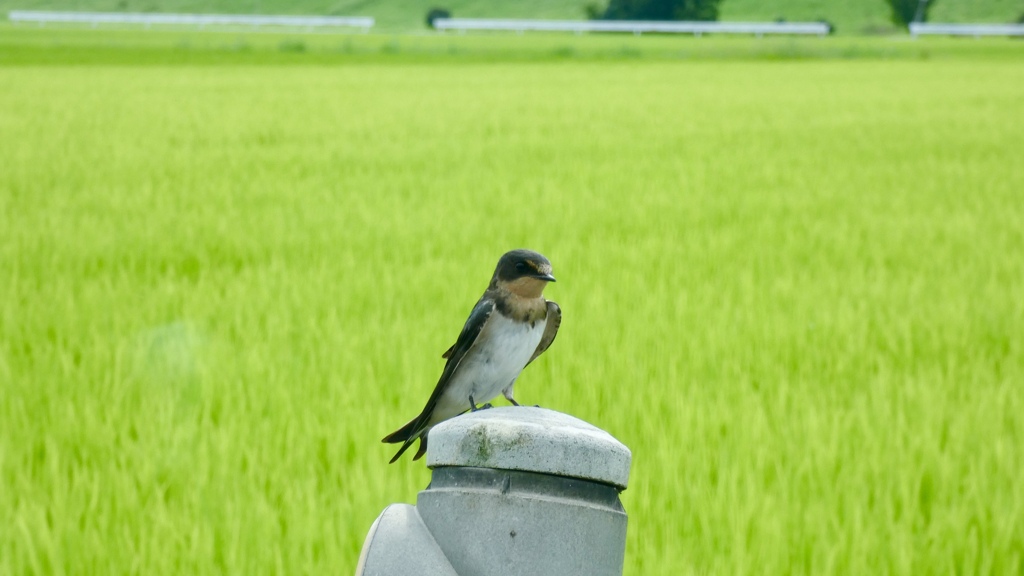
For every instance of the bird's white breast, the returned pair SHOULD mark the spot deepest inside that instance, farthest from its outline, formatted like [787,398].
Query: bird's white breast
[499,355]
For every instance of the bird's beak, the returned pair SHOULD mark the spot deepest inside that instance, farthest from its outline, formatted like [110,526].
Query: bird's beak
[544,277]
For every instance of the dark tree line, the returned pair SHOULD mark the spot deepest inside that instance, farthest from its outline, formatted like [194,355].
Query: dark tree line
[906,11]
[903,11]
[657,10]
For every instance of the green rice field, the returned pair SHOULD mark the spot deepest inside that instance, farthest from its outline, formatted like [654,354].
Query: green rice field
[791,276]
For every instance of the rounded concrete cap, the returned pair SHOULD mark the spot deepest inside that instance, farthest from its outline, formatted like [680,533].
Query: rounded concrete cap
[530,439]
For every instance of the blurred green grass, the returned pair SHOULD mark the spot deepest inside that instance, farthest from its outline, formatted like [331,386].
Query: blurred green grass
[23,45]
[790,287]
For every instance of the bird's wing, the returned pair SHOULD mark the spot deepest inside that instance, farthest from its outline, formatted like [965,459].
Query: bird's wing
[550,330]
[467,338]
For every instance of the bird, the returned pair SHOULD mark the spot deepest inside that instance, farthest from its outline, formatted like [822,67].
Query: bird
[509,327]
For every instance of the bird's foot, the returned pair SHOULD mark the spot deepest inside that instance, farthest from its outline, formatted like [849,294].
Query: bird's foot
[513,401]
[473,407]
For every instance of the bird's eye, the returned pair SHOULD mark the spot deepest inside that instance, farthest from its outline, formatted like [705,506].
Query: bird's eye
[521,267]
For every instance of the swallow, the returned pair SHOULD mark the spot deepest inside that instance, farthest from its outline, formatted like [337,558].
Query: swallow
[510,326]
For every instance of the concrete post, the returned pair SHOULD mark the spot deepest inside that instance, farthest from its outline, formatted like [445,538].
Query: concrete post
[514,491]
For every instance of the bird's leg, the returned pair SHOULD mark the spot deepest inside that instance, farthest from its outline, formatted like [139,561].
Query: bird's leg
[473,407]
[508,396]
[507,392]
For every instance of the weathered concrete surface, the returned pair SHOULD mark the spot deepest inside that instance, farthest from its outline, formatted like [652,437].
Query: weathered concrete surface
[508,523]
[514,491]
[399,543]
[531,439]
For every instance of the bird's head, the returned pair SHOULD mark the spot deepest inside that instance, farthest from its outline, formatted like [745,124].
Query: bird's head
[523,272]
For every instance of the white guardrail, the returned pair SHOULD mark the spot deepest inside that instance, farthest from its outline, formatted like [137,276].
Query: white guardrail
[975,30]
[148,19]
[634,26]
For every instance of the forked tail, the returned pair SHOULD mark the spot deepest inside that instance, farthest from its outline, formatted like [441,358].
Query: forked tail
[407,435]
